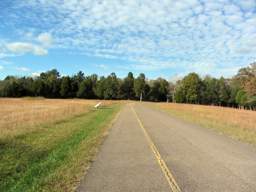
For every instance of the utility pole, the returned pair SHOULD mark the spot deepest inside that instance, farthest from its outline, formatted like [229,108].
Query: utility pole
[173,95]
[167,98]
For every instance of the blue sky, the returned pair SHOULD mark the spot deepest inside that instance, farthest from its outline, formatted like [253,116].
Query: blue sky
[167,38]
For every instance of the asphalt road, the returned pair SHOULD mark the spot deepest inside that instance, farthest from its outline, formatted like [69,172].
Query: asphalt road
[148,150]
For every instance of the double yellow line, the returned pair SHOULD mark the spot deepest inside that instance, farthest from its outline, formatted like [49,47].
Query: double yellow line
[167,173]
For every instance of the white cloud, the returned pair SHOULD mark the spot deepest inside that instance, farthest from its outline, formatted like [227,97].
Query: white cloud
[45,39]
[23,69]
[176,77]
[1,67]
[247,5]
[35,74]
[40,51]
[102,66]
[153,35]
[231,9]
[22,48]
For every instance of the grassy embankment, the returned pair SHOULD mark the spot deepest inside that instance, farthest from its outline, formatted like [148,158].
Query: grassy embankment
[238,124]
[51,155]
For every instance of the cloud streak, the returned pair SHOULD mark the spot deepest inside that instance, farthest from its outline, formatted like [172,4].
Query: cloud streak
[22,48]
[22,69]
[45,39]
[35,45]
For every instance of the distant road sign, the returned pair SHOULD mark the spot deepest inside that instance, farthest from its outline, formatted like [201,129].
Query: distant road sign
[97,105]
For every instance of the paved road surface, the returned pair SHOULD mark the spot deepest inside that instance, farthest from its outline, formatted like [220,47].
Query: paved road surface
[148,150]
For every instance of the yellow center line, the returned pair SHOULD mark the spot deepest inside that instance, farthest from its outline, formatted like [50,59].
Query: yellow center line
[167,173]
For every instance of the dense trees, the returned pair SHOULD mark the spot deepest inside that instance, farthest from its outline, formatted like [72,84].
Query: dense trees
[159,90]
[51,85]
[189,89]
[210,93]
[86,88]
[111,87]
[65,87]
[127,87]
[245,81]
[140,86]
[239,91]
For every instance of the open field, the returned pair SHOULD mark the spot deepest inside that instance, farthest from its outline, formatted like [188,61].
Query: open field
[46,145]
[238,124]
[19,116]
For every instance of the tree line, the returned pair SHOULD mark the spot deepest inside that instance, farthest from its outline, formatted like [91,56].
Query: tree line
[239,91]
[51,85]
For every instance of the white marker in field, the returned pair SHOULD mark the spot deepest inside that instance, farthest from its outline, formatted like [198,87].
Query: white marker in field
[97,105]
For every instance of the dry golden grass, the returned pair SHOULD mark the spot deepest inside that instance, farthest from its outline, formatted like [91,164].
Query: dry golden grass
[53,154]
[22,115]
[240,124]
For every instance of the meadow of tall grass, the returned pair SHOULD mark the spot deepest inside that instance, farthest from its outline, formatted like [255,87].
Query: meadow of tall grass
[19,116]
[47,145]
[236,123]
